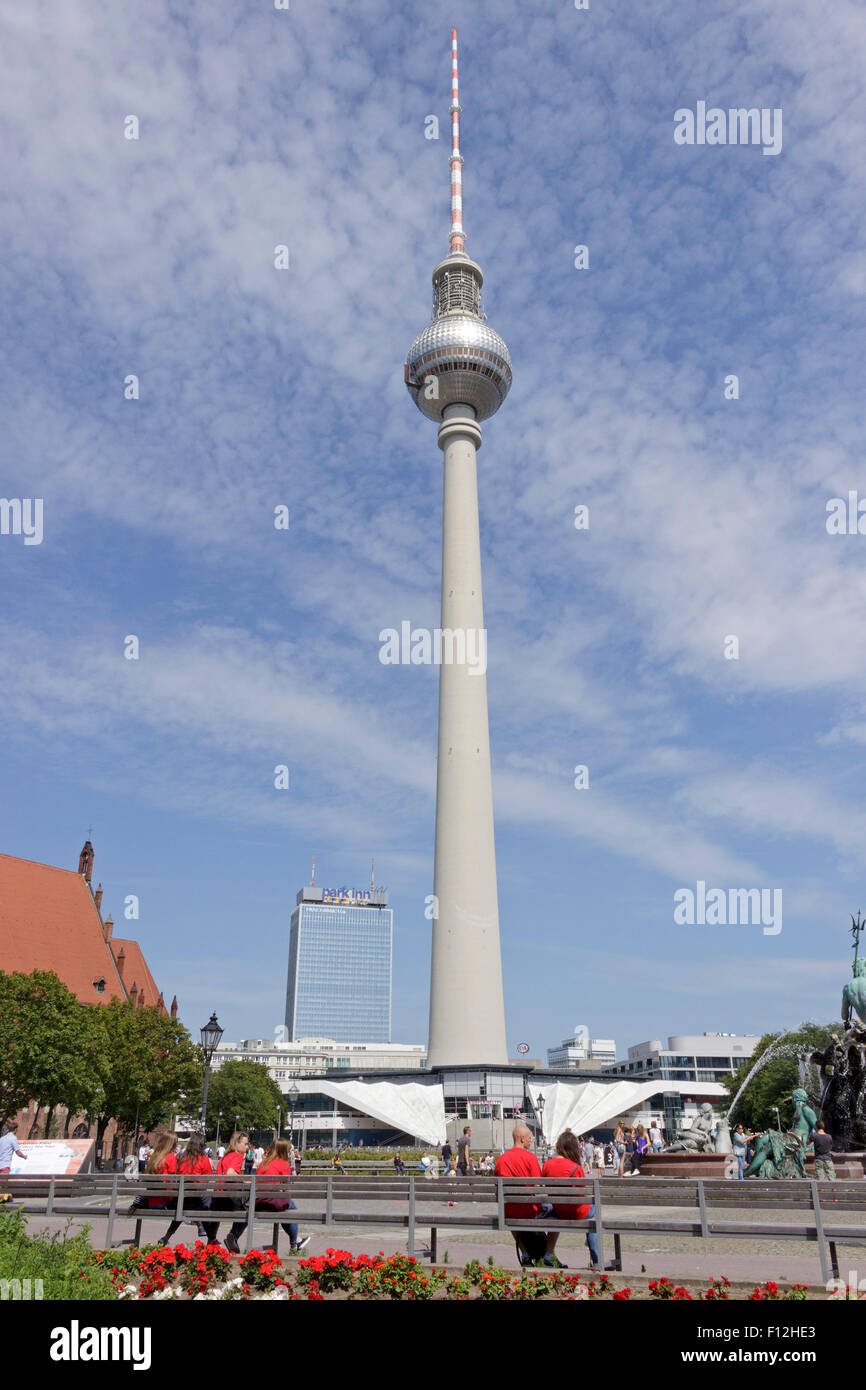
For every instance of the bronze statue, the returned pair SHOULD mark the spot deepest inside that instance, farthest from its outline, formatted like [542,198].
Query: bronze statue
[843,1062]
[784,1155]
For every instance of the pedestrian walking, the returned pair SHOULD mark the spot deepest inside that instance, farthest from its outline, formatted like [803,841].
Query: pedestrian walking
[446,1154]
[656,1140]
[464,1156]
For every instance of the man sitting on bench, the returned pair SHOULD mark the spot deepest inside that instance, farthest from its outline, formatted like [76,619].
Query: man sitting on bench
[520,1162]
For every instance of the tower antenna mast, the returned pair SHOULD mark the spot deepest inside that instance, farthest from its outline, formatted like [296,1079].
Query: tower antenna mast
[457,234]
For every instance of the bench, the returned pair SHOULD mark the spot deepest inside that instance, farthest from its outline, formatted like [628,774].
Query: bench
[685,1206]
[818,1199]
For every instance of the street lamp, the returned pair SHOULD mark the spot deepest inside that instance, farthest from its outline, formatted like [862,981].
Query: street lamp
[279,1122]
[539,1105]
[293,1096]
[219,1121]
[778,1121]
[210,1040]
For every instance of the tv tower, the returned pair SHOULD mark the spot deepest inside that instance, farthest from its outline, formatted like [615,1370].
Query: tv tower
[458,372]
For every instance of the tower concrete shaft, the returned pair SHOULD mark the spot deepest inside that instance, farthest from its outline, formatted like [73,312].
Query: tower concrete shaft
[467,1011]
[458,373]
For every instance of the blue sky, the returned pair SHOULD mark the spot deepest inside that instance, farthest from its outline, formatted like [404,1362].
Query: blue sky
[261,387]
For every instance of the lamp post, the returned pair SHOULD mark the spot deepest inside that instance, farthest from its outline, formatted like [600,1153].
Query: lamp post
[219,1121]
[279,1122]
[293,1096]
[210,1039]
[778,1121]
[539,1105]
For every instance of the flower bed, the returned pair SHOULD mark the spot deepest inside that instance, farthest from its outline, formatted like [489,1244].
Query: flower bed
[209,1272]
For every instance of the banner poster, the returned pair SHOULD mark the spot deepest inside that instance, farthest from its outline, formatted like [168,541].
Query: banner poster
[46,1157]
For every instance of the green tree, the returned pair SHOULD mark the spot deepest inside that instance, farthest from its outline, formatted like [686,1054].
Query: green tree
[146,1063]
[773,1083]
[46,1046]
[244,1089]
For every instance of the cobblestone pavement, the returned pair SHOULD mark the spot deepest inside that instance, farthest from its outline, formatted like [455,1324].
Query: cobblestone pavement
[655,1255]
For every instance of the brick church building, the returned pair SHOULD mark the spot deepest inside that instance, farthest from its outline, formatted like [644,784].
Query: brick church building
[51,919]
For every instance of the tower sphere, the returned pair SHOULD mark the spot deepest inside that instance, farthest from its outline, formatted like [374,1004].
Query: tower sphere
[468,360]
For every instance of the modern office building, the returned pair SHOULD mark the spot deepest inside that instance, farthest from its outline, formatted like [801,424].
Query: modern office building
[688,1057]
[689,1071]
[583,1054]
[286,1061]
[339,979]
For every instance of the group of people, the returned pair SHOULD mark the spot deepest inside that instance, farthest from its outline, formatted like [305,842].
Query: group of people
[621,1156]
[520,1162]
[278,1161]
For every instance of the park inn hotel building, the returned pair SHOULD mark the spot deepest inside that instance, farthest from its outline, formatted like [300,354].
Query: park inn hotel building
[339,981]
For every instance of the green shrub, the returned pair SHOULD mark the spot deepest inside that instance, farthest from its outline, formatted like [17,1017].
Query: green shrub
[60,1260]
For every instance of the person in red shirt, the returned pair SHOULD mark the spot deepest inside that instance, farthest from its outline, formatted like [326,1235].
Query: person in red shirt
[565,1163]
[520,1162]
[162,1160]
[231,1166]
[277,1164]
[195,1161]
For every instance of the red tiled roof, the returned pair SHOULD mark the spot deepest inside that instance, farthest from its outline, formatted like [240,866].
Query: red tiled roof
[49,921]
[135,969]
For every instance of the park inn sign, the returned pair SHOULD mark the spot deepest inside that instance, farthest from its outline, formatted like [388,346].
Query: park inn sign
[360,896]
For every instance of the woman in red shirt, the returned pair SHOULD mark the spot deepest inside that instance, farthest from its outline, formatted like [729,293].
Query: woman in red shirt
[195,1161]
[566,1164]
[162,1160]
[277,1164]
[231,1166]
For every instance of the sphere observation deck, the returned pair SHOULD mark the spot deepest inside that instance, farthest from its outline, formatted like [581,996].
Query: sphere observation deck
[458,359]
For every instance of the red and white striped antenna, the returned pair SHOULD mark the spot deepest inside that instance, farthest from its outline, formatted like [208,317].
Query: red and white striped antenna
[457,247]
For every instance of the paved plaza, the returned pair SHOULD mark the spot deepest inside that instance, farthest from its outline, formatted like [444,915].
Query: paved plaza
[677,1257]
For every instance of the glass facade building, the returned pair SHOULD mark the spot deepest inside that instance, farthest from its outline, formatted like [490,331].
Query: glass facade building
[339,981]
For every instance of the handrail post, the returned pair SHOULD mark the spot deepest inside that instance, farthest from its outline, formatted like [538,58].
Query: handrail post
[329,1200]
[251,1214]
[111,1210]
[500,1206]
[599,1222]
[702,1203]
[50,1208]
[412,1215]
[819,1232]
[178,1209]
